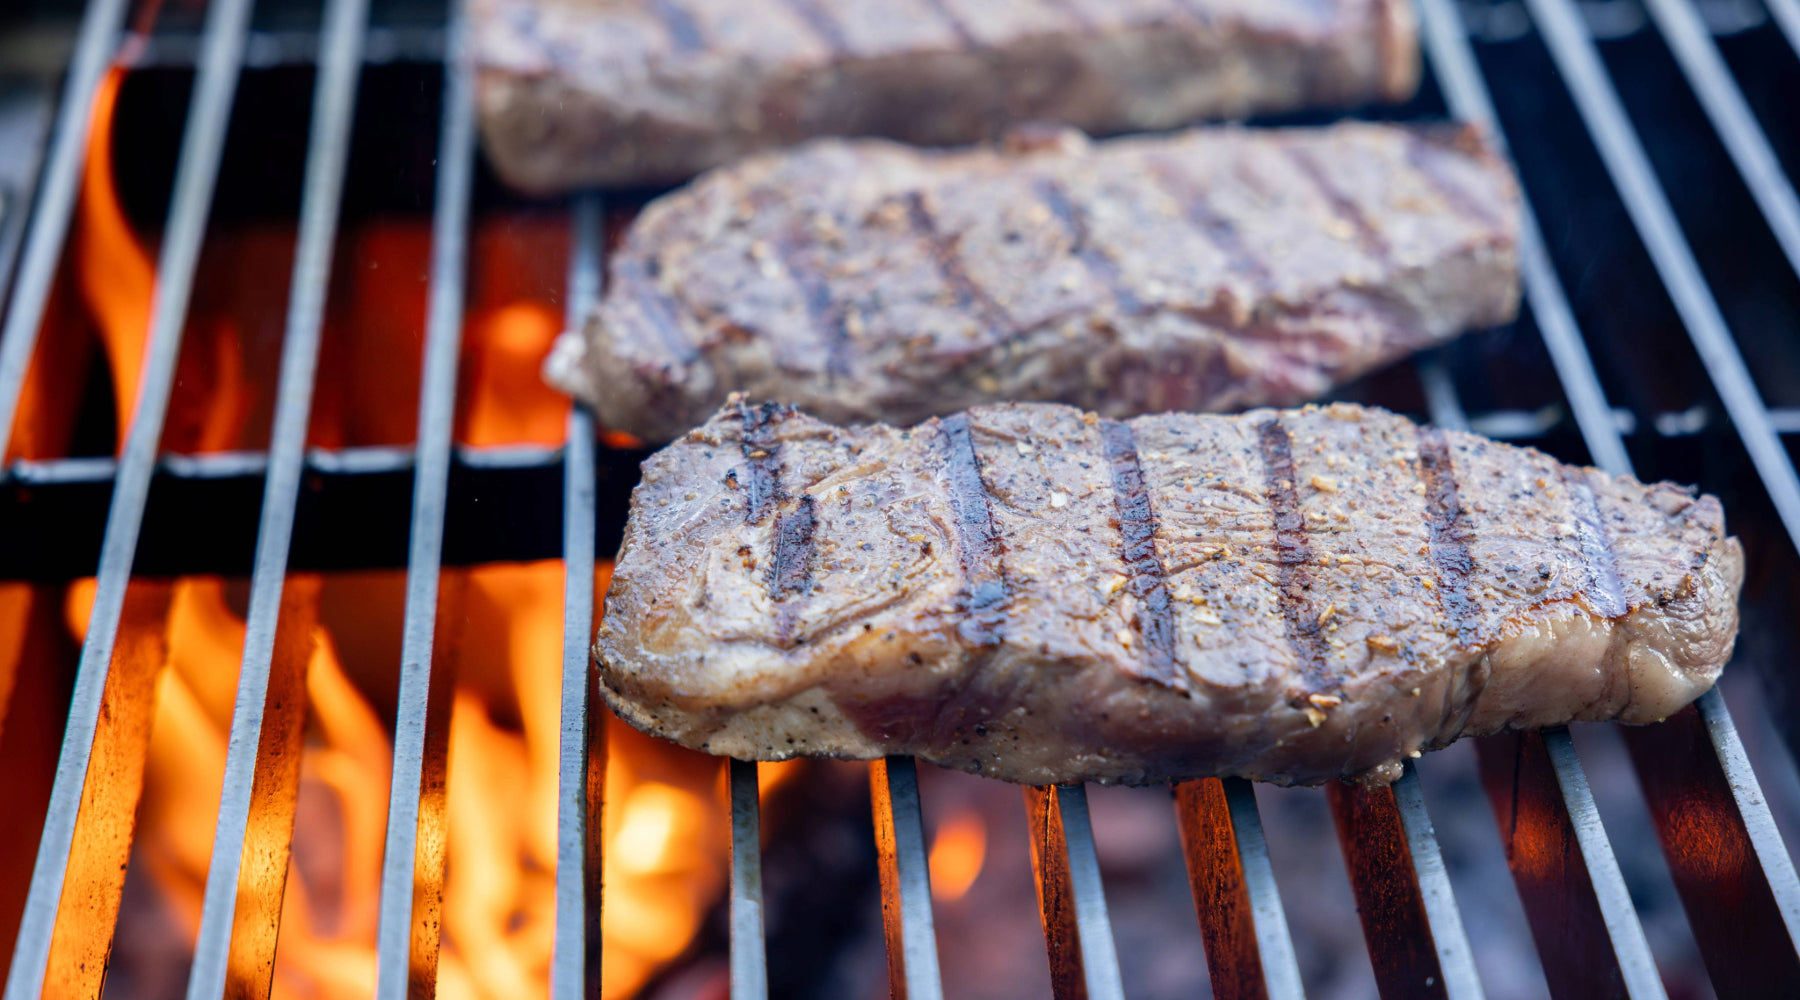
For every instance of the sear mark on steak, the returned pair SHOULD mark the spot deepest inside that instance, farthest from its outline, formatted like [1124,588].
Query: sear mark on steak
[573,93]
[1031,592]
[985,595]
[1294,556]
[1154,620]
[1604,588]
[1219,269]
[1449,534]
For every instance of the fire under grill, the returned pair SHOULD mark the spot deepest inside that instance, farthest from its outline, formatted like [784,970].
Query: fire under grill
[1704,404]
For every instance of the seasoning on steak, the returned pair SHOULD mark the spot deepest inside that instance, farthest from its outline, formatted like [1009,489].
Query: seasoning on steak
[1213,270]
[1032,592]
[575,92]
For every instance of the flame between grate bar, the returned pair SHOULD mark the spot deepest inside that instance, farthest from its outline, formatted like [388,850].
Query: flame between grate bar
[241,913]
[66,930]
[101,26]
[413,861]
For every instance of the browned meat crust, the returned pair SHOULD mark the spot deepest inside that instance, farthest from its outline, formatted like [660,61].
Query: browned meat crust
[1212,270]
[1037,594]
[575,92]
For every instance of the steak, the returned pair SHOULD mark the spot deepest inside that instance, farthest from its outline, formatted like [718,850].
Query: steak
[574,92]
[1219,269]
[1035,593]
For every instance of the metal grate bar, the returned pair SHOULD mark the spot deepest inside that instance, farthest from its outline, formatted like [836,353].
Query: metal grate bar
[1249,955]
[1077,933]
[1732,119]
[1629,166]
[905,881]
[202,144]
[241,911]
[101,26]
[1466,92]
[1690,768]
[1411,956]
[406,937]
[581,766]
[1743,817]
[1787,15]
[1556,846]
[749,959]
[1456,959]
[1588,936]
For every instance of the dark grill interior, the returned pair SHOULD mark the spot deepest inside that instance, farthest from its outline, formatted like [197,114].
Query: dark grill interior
[1658,337]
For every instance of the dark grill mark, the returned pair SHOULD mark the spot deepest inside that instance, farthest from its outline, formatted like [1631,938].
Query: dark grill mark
[1367,236]
[1606,591]
[826,315]
[819,19]
[638,280]
[986,594]
[1421,157]
[969,295]
[1450,534]
[1154,620]
[1213,227]
[1074,223]
[761,449]
[955,23]
[682,28]
[1293,554]
[791,574]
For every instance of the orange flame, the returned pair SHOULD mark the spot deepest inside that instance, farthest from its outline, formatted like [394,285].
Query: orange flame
[114,270]
[957,854]
[665,827]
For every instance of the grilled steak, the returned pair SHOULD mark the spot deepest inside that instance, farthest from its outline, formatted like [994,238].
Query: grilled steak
[1034,593]
[1213,270]
[575,92]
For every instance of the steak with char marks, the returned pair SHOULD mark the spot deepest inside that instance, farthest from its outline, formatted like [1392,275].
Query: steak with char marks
[1035,593]
[1213,270]
[621,92]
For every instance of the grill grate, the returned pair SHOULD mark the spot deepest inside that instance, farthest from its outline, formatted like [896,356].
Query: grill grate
[1743,896]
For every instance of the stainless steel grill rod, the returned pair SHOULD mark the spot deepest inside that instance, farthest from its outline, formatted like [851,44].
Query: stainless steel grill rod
[1648,206]
[1468,97]
[328,151]
[437,413]
[1077,933]
[94,48]
[1456,958]
[575,964]
[202,144]
[1711,81]
[749,959]
[1787,15]
[1577,823]
[1281,969]
[905,881]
